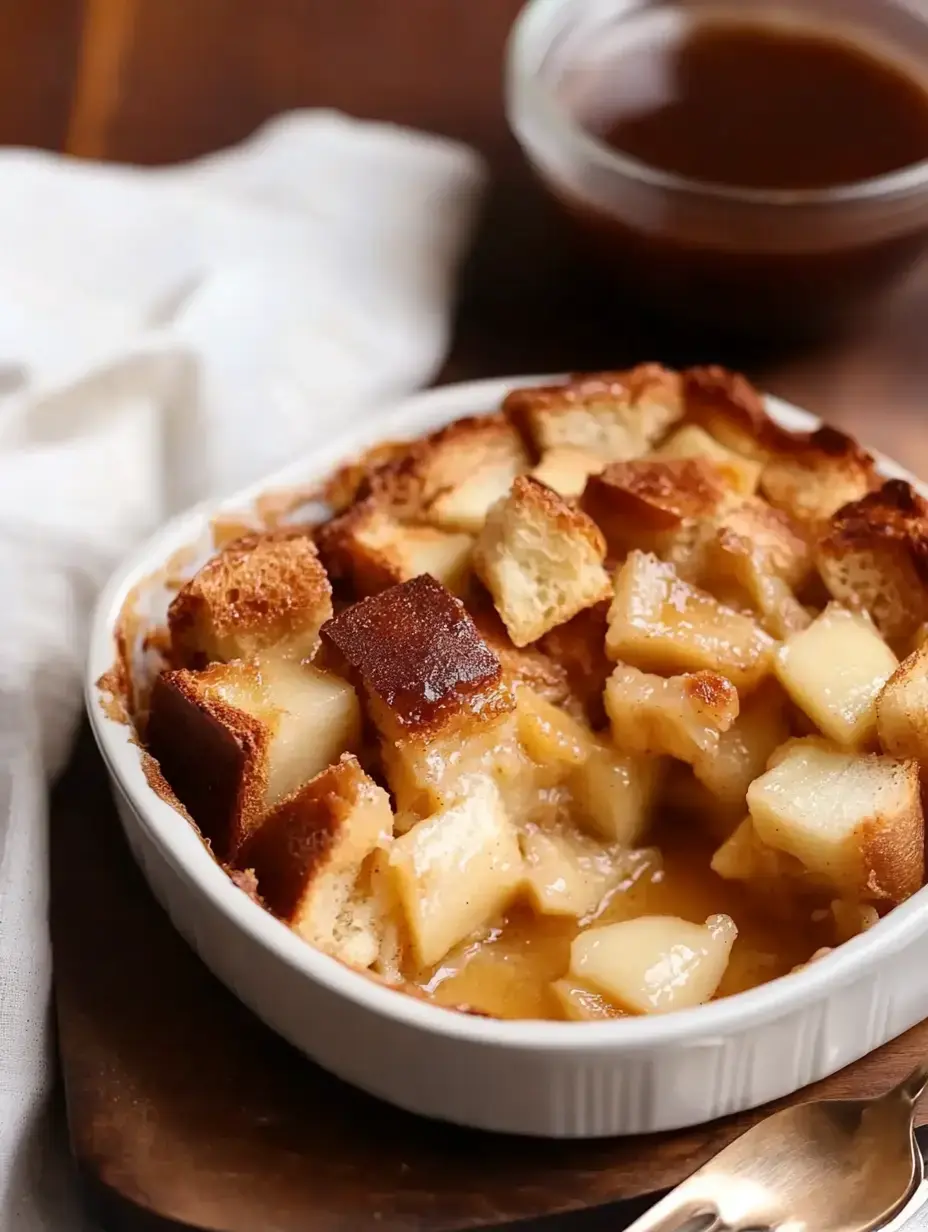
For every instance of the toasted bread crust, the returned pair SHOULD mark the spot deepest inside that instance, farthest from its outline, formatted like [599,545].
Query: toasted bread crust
[817,474]
[298,836]
[541,560]
[728,406]
[646,397]
[418,651]
[213,755]
[654,494]
[874,554]
[254,593]
[526,665]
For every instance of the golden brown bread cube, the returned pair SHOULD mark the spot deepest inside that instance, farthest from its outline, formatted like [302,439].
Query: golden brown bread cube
[435,689]
[469,466]
[874,555]
[260,593]
[681,717]
[456,871]
[236,738]
[727,406]
[834,671]
[691,441]
[660,623]
[445,477]
[309,857]
[902,709]
[373,550]
[854,820]
[541,560]
[660,506]
[820,472]
[612,415]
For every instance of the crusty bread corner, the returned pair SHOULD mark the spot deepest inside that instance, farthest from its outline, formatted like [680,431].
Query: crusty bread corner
[902,709]
[308,857]
[260,592]
[610,414]
[874,555]
[371,549]
[439,477]
[540,559]
[420,657]
[646,503]
[730,409]
[818,473]
[213,753]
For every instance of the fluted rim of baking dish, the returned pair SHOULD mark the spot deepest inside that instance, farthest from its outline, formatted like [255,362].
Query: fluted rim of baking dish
[185,851]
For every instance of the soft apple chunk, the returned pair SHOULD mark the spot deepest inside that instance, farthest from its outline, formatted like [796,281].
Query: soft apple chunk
[660,623]
[566,872]
[654,964]
[680,717]
[834,671]
[853,820]
[456,871]
[614,794]
[579,1003]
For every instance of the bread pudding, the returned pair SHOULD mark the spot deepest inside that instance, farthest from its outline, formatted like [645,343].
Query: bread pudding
[609,703]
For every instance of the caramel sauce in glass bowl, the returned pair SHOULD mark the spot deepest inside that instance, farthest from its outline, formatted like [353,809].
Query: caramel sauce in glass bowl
[759,166]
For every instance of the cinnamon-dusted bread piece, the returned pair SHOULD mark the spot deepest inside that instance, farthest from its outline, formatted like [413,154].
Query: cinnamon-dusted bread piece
[435,689]
[612,415]
[309,858]
[235,738]
[874,555]
[540,559]
[371,549]
[261,592]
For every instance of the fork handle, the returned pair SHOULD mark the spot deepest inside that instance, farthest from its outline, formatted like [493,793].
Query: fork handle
[675,1211]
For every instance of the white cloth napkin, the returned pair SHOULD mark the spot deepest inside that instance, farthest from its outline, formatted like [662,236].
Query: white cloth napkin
[164,335]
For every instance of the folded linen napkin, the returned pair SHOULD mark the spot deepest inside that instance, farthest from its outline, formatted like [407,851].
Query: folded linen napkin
[166,335]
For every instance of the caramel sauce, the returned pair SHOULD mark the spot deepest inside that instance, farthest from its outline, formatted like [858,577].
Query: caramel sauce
[508,973]
[750,106]
[754,104]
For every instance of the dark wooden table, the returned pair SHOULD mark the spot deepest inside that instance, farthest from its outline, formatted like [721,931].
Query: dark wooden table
[180,1103]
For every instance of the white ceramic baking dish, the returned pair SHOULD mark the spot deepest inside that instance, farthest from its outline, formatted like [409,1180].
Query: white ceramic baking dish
[630,1076]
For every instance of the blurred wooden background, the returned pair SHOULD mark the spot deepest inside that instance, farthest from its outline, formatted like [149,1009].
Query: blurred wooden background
[155,80]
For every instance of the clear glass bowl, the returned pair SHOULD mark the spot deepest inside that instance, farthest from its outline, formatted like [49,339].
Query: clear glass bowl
[752,261]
